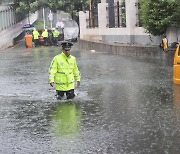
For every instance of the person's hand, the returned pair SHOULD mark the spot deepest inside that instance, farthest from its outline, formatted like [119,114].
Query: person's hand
[78,83]
[52,84]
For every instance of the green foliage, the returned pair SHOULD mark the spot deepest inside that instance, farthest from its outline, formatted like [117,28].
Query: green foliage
[69,6]
[123,13]
[176,18]
[158,15]
[24,7]
[39,25]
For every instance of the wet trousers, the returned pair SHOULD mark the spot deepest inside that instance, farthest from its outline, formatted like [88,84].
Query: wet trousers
[69,94]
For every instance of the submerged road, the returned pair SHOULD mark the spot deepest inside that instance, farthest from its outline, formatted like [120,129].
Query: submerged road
[125,105]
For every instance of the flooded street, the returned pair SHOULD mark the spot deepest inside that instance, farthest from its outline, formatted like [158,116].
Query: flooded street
[125,105]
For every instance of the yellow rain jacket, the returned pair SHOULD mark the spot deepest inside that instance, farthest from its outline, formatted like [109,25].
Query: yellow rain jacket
[165,44]
[63,71]
[56,33]
[36,35]
[45,33]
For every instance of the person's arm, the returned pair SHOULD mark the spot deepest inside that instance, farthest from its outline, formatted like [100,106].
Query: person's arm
[76,73]
[52,71]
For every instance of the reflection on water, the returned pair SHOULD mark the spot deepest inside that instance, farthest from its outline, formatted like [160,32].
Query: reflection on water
[177,102]
[66,119]
[177,95]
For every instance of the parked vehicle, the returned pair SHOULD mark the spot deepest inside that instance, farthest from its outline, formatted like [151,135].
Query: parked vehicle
[71,30]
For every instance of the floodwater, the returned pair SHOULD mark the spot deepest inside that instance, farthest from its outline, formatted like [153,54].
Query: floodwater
[125,105]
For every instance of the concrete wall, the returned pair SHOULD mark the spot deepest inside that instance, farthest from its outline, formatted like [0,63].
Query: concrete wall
[173,34]
[127,50]
[7,36]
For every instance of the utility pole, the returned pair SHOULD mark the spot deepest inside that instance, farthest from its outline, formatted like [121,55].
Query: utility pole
[56,3]
[50,16]
[90,13]
[44,20]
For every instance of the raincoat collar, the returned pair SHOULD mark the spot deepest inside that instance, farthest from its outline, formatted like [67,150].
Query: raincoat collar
[65,55]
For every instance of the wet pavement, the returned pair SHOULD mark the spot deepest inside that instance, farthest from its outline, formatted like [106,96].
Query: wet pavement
[125,105]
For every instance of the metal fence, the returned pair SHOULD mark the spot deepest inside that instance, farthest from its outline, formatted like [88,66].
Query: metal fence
[115,14]
[93,21]
[138,17]
[95,17]
[119,11]
[8,17]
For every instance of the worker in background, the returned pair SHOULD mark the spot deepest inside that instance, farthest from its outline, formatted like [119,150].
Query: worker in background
[165,43]
[55,36]
[45,37]
[63,72]
[36,37]
[50,37]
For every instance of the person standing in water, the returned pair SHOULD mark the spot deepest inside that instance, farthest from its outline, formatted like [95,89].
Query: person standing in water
[63,72]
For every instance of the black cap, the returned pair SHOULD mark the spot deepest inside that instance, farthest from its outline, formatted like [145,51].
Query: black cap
[66,44]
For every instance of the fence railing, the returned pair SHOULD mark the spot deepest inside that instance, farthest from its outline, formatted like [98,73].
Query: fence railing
[116,16]
[93,21]
[138,17]
[119,11]
[8,17]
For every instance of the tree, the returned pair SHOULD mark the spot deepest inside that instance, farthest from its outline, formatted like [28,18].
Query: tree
[73,7]
[69,6]
[176,19]
[158,15]
[25,7]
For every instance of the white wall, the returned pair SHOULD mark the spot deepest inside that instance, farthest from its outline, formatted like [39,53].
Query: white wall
[172,34]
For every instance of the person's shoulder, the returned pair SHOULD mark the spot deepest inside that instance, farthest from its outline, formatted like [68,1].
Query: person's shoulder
[57,56]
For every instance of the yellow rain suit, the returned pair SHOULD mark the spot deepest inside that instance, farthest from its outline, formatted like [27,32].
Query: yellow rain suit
[36,35]
[63,71]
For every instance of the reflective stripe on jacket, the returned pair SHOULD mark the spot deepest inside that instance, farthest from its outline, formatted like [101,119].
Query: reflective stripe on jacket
[63,71]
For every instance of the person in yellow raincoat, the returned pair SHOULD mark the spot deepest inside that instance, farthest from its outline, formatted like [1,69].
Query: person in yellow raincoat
[45,35]
[63,72]
[36,37]
[56,34]
[165,43]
